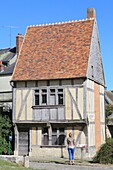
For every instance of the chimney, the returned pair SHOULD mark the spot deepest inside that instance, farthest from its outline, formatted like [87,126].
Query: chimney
[19,40]
[91,13]
[1,66]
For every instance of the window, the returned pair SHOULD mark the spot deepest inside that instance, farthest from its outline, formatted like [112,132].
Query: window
[45,137]
[50,96]
[36,97]
[44,96]
[58,136]
[60,96]
[54,136]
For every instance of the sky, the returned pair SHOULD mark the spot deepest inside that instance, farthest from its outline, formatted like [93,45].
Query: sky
[15,16]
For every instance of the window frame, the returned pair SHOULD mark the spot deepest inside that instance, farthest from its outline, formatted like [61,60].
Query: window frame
[57,134]
[57,92]
[46,134]
[37,94]
[44,94]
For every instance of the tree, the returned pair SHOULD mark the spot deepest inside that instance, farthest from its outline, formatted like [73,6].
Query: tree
[5,131]
[108,110]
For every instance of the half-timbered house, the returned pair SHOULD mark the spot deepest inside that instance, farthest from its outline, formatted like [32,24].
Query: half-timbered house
[58,87]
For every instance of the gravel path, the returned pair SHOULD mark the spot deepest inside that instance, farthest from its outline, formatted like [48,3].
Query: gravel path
[54,166]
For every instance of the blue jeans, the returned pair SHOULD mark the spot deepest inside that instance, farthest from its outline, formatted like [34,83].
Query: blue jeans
[71,153]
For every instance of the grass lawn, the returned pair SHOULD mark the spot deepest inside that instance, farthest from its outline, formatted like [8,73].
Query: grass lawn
[5,165]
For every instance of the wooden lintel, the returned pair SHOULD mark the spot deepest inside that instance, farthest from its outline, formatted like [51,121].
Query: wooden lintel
[57,123]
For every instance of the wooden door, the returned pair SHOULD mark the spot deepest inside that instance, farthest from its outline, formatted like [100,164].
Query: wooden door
[23,141]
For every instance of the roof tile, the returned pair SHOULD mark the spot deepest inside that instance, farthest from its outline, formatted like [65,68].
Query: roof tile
[55,51]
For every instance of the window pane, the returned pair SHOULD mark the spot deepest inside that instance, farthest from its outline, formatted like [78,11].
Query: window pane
[60,98]
[36,91]
[52,90]
[36,99]
[44,98]
[61,130]
[54,136]
[46,140]
[60,90]
[61,136]
[54,130]
[44,90]
[45,137]
[44,130]
[52,99]
[58,137]
[61,139]
[54,140]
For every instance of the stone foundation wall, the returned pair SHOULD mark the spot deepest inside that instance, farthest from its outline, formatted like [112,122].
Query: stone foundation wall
[48,153]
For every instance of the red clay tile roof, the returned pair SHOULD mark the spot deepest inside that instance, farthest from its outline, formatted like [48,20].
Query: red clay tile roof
[55,51]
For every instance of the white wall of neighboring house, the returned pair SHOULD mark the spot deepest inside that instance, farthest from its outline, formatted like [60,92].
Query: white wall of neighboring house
[5,83]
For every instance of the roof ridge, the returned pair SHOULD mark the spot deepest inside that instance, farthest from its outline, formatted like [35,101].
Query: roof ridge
[64,22]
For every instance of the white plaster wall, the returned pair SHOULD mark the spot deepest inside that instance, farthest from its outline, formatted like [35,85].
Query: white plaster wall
[90,84]
[5,83]
[90,105]
[80,101]
[91,133]
[102,109]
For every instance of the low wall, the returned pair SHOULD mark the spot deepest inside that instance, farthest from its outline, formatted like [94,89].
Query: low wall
[21,160]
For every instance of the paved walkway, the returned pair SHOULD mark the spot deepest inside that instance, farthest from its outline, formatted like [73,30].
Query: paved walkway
[56,166]
[63,164]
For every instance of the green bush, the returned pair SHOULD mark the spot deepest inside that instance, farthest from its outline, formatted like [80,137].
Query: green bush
[108,110]
[5,131]
[105,154]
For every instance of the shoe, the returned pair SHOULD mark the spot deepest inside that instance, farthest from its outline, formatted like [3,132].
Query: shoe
[73,163]
[70,162]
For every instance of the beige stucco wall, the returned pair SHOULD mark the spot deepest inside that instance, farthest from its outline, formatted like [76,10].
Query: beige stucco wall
[68,104]
[18,103]
[33,136]
[70,108]
[23,107]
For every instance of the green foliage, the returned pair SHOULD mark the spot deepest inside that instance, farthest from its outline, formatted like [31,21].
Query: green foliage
[105,154]
[5,131]
[108,110]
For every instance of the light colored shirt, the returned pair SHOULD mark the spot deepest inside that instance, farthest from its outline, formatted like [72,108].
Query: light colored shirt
[71,142]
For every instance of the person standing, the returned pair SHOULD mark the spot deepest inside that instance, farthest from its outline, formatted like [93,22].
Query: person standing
[71,148]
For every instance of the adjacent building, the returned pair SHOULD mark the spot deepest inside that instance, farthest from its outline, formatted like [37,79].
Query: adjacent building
[108,97]
[7,63]
[58,87]
[109,113]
